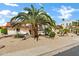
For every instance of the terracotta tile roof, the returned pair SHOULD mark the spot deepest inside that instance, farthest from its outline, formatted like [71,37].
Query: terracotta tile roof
[8,24]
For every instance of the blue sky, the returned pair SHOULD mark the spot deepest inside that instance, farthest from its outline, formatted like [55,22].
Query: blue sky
[57,11]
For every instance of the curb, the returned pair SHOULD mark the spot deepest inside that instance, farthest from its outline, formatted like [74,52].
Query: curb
[59,50]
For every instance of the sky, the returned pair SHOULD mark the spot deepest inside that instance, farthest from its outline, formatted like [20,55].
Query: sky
[58,11]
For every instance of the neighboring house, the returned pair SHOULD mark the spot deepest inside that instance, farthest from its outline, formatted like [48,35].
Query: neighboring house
[6,25]
[69,23]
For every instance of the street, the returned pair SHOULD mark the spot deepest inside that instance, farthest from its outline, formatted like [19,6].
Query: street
[71,52]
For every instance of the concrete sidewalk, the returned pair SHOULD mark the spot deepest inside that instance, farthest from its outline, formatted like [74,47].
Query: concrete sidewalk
[47,50]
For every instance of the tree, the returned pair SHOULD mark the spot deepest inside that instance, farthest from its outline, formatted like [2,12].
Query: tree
[34,17]
[63,19]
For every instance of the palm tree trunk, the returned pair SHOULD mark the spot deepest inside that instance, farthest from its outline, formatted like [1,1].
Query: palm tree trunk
[35,31]
[32,30]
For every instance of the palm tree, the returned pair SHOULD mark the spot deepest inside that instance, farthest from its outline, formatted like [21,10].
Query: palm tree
[34,17]
[63,19]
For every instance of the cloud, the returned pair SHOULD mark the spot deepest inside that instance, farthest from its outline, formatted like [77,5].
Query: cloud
[6,14]
[24,11]
[11,4]
[14,13]
[2,22]
[40,4]
[66,12]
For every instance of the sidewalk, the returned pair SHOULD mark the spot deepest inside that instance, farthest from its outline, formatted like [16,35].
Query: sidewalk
[48,50]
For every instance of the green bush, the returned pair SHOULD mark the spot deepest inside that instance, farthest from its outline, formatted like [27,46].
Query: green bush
[52,34]
[47,30]
[0,30]
[4,31]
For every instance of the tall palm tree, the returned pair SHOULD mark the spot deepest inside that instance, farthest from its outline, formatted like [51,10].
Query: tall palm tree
[63,19]
[34,17]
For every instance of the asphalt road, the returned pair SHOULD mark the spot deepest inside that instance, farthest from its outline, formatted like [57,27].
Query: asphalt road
[71,52]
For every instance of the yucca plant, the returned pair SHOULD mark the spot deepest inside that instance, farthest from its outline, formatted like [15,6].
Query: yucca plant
[66,31]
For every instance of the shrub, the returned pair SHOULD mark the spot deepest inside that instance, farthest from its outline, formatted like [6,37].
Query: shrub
[0,30]
[4,31]
[52,34]
[47,30]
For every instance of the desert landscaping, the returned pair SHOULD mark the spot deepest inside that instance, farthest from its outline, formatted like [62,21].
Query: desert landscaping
[35,32]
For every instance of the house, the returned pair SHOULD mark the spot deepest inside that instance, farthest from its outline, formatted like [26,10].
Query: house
[8,24]
[69,23]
